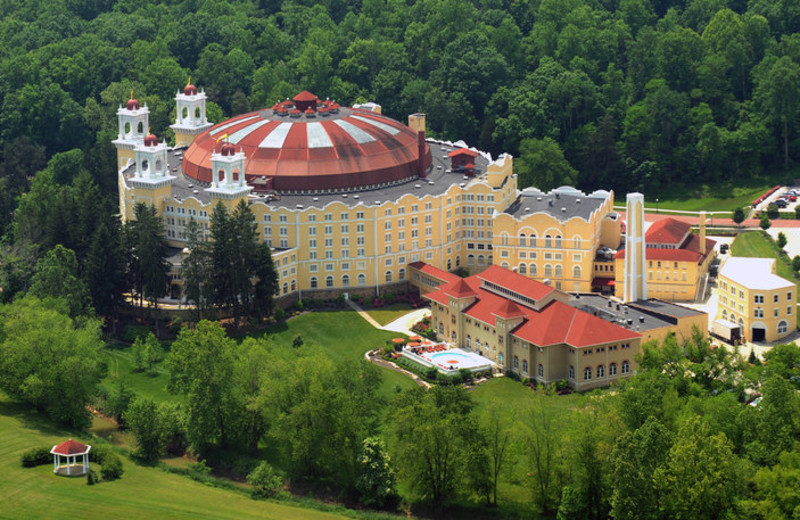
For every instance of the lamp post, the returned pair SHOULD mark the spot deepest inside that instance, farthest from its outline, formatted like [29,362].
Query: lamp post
[657,210]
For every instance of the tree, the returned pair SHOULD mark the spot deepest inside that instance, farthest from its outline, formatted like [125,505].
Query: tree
[777,91]
[543,448]
[698,478]
[376,480]
[777,491]
[738,215]
[433,438]
[56,276]
[148,266]
[265,480]
[496,427]
[146,352]
[144,421]
[201,367]
[49,361]
[635,458]
[781,240]
[796,263]
[104,272]
[542,165]
[196,269]
[764,222]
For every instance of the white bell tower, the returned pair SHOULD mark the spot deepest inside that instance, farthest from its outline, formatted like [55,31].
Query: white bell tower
[227,174]
[190,120]
[134,123]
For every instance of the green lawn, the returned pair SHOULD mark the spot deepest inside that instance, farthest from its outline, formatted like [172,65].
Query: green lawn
[754,245]
[120,368]
[343,335]
[142,492]
[388,314]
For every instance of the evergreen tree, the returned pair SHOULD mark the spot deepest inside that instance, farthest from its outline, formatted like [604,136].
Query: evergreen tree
[104,271]
[148,267]
[196,269]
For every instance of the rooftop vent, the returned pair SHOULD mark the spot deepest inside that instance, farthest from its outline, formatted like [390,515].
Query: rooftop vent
[641,319]
[558,195]
[344,195]
[617,306]
[577,201]
[299,206]
[609,303]
[527,210]
[550,202]
[315,199]
[630,322]
[431,183]
[195,192]
[355,196]
[418,186]
[538,198]
[462,184]
[466,178]
[563,210]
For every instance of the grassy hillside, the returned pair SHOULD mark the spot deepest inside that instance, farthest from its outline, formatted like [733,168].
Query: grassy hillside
[142,492]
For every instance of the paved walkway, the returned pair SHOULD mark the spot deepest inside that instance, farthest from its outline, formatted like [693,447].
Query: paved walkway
[361,312]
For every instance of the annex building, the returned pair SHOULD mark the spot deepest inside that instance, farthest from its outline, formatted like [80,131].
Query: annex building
[756,299]
[545,334]
[347,197]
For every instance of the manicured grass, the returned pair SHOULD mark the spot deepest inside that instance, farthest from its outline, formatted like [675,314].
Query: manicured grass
[755,245]
[120,368]
[141,492]
[388,314]
[342,335]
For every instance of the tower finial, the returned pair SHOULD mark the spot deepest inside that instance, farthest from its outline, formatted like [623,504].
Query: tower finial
[189,82]
[131,93]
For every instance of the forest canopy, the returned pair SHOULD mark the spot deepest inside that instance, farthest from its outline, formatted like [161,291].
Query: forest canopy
[636,94]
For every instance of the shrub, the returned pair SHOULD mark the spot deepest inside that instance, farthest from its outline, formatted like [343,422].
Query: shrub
[781,240]
[764,222]
[773,211]
[199,471]
[430,373]
[297,342]
[265,480]
[134,332]
[279,314]
[512,375]
[92,478]
[111,464]
[36,457]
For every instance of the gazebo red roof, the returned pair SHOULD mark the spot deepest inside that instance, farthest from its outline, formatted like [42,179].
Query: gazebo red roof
[70,447]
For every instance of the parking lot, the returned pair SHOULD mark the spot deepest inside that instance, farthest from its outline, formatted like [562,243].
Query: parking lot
[783,198]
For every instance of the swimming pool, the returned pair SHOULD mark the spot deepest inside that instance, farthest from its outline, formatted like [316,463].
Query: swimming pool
[452,360]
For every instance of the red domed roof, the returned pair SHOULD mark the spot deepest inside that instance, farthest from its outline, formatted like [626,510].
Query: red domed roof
[132,104]
[190,90]
[70,447]
[228,149]
[350,149]
[150,140]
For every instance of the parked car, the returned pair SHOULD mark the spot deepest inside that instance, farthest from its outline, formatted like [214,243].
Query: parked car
[781,203]
[723,248]
[790,198]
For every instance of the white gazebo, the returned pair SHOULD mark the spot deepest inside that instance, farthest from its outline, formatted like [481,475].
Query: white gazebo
[71,450]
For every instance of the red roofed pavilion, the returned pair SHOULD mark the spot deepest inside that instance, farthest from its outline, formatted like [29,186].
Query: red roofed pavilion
[71,450]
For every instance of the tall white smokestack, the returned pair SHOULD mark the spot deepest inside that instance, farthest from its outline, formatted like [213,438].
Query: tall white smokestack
[635,266]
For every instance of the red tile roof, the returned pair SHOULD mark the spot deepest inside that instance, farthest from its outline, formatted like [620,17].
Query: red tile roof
[515,282]
[555,324]
[458,289]
[70,447]
[688,252]
[462,151]
[435,272]
[667,231]
[305,96]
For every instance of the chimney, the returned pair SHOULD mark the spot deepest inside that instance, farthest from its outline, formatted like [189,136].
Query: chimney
[417,123]
[702,232]
[635,248]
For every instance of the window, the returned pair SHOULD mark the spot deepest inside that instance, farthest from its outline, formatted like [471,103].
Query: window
[775,298]
[783,327]
[523,269]
[524,366]
[548,241]
[759,298]
[576,271]
[313,282]
[558,242]
[626,367]
[548,270]
[587,374]
[533,269]
[401,274]
[329,281]
[540,370]
[388,276]
[571,372]
[515,363]
[612,369]
[362,280]
[558,270]
[758,313]
[601,371]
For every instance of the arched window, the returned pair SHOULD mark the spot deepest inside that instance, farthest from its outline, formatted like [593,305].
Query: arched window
[140,127]
[558,270]
[533,240]
[783,327]
[601,371]
[522,238]
[612,369]
[500,358]
[401,273]
[197,113]
[523,269]
[458,261]
[504,265]
[548,270]
[313,282]
[362,280]
[548,241]
[449,264]
[489,260]
[470,259]
[576,272]
[127,128]
[576,242]
[185,112]
[453,337]
[329,281]
[345,280]
[388,276]
[571,372]
[587,374]
[524,366]
[558,241]
[294,285]
[285,287]
[626,367]
[540,370]
[533,269]
[469,341]
[481,260]
[724,314]
[441,328]
[515,363]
